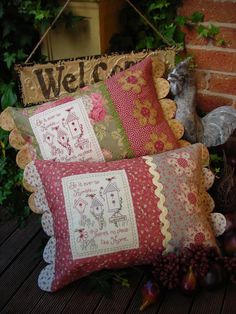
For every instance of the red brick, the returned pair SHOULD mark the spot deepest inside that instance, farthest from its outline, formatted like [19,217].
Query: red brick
[201,80]
[222,84]
[214,60]
[227,34]
[207,103]
[212,10]
[191,37]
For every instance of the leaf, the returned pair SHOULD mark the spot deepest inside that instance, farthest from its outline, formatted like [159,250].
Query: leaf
[100,131]
[7,29]
[149,42]
[202,31]
[9,58]
[8,97]
[102,282]
[181,20]
[169,31]
[215,157]
[158,5]
[208,31]
[116,135]
[197,17]
[6,44]
[21,55]
[221,42]
[213,30]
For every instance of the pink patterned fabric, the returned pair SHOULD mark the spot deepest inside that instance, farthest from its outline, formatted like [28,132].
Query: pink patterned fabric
[90,231]
[150,237]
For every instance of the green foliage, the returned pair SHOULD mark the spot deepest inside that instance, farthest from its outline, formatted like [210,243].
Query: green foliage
[208,31]
[216,162]
[162,14]
[138,35]
[197,17]
[21,23]
[102,281]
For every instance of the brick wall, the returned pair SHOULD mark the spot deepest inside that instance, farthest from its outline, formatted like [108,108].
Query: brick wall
[216,66]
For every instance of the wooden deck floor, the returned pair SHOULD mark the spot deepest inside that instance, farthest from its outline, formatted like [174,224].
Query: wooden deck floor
[21,262]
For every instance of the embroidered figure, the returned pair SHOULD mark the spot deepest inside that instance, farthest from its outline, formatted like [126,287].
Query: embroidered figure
[80,205]
[83,234]
[112,195]
[76,129]
[48,138]
[85,243]
[97,211]
[63,139]
[117,218]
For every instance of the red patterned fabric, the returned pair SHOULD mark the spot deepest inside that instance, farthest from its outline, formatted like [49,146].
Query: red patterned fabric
[121,213]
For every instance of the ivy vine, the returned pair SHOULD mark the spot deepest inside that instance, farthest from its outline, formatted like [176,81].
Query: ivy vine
[162,15]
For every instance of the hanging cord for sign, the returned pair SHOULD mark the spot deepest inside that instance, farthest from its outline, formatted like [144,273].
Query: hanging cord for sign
[46,32]
[149,23]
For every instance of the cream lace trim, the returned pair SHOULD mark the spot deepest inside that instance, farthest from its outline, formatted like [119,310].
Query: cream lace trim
[161,201]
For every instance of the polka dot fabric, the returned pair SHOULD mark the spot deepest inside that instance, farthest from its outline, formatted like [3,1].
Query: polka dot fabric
[153,203]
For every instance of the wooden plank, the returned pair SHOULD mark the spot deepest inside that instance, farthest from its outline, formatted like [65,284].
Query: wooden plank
[121,296]
[136,301]
[27,296]
[6,229]
[54,302]
[229,305]
[175,303]
[82,300]
[213,301]
[17,241]
[20,269]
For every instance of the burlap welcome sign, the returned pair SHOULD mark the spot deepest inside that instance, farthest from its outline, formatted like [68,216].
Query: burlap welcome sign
[52,80]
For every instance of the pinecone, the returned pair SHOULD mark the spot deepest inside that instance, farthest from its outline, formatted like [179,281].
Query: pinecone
[199,258]
[230,267]
[167,270]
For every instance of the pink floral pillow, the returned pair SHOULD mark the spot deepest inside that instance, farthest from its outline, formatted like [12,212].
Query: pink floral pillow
[119,118]
[121,213]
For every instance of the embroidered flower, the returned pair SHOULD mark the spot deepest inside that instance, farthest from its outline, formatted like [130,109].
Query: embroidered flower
[159,143]
[82,234]
[182,163]
[145,113]
[198,234]
[189,198]
[132,80]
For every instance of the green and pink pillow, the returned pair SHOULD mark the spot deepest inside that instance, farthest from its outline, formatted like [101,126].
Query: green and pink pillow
[125,116]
